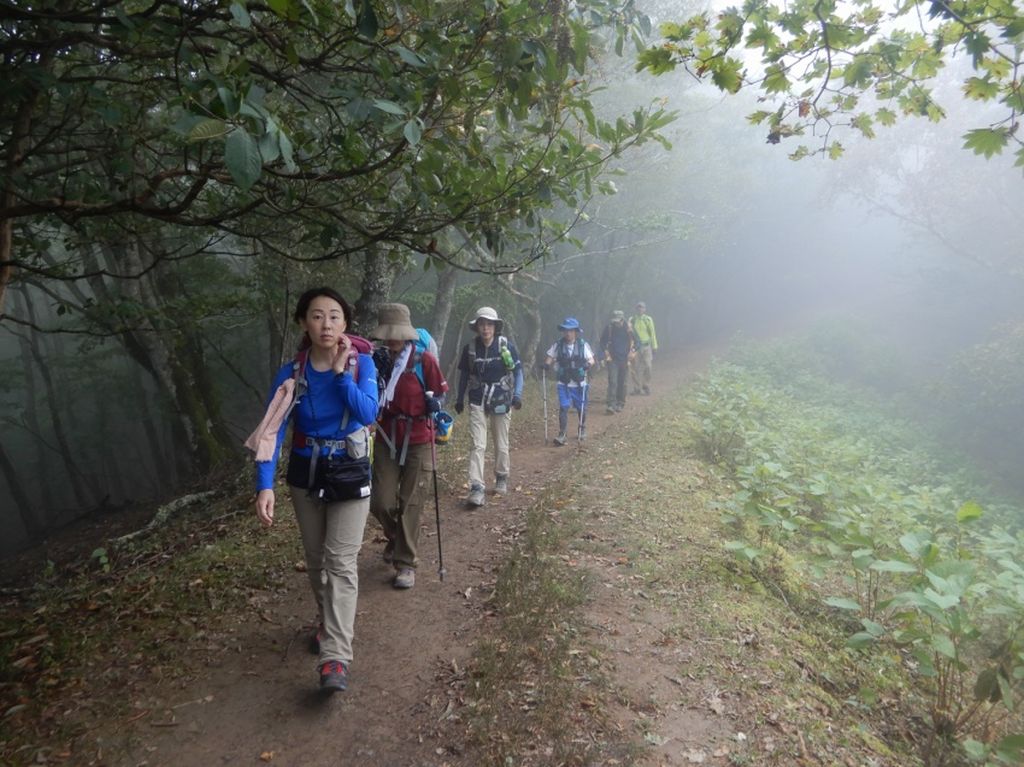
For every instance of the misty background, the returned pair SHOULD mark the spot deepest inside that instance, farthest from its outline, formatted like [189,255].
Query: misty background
[900,263]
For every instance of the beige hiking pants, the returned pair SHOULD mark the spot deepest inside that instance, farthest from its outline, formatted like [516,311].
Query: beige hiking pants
[332,535]
[479,425]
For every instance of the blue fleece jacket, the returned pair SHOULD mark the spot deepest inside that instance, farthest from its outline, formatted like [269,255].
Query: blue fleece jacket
[319,411]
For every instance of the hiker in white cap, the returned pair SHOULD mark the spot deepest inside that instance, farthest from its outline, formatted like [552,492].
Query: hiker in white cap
[492,374]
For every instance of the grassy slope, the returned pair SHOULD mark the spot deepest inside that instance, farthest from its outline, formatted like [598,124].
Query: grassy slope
[623,560]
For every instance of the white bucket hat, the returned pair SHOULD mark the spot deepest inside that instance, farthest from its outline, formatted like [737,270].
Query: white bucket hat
[487,313]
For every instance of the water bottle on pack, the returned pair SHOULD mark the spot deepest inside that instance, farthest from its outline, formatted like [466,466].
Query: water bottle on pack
[506,355]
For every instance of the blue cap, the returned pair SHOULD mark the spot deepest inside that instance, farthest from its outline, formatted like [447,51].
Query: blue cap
[569,323]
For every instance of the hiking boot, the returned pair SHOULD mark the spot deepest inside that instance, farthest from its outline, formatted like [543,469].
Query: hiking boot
[560,439]
[500,484]
[610,410]
[476,496]
[405,578]
[315,638]
[334,676]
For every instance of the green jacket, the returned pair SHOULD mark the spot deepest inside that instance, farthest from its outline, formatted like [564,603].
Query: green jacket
[643,329]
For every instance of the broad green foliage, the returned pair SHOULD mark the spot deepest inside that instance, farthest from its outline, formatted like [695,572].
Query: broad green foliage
[317,126]
[829,64]
[886,535]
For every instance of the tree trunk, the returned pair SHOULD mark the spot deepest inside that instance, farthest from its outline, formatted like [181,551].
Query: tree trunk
[29,520]
[375,288]
[14,157]
[45,489]
[443,302]
[160,466]
[75,475]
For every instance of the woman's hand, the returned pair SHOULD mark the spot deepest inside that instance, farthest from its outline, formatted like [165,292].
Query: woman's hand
[340,362]
[265,507]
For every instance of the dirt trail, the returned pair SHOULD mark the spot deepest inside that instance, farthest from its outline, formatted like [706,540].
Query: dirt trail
[258,697]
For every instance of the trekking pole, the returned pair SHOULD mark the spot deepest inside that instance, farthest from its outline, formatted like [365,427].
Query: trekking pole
[544,396]
[583,411]
[437,504]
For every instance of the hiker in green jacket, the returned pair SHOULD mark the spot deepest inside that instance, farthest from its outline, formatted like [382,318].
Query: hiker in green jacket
[646,344]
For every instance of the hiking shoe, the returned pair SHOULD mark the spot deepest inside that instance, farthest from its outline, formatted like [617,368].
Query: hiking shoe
[405,578]
[500,485]
[560,439]
[476,496]
[315,638]
[334,676]
[610,410]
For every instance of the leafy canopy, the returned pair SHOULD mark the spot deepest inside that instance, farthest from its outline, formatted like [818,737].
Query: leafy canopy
[856,65]
[310,128]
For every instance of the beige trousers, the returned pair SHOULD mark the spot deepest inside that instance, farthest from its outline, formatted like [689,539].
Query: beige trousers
[642,367]
[332,535]
[479,425]
[398,496]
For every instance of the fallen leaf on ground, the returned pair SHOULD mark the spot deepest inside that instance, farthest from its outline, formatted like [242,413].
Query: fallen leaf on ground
[266,756]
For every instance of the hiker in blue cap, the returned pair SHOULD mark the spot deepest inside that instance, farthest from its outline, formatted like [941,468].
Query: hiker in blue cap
[572,358]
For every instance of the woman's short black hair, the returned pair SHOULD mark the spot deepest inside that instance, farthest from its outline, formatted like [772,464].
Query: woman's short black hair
[307,298]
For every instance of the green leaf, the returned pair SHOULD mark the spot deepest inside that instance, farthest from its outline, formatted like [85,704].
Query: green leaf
[241,15]
[775,80]
[975,749]
[986,141]
[281,7]
[885,117]
[893,566]
[389,106]
[1011,748]
[413,131]
[411,58]
[726,74]
[285,144]
[858,72]
[366,20]
[242,157]
[843,603]
[208,129]
[943,645]
[986,687]
[980,88]
[1014,28]
[969,512]
[860,640]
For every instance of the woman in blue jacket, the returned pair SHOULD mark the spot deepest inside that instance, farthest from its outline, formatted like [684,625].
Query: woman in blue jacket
[333,402]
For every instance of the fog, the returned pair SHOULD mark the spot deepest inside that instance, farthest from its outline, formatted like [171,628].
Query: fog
[906,248]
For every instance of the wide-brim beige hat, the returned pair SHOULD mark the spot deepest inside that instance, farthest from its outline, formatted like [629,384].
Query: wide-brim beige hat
[488,313]
[393,324]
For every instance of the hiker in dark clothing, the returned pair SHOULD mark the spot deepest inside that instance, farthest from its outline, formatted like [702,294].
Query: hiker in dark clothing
[617,349]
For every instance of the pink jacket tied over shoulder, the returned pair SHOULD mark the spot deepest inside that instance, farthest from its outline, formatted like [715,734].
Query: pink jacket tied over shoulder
[264,439]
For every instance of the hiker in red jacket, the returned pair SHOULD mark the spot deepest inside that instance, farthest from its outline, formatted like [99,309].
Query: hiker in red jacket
[402,462]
